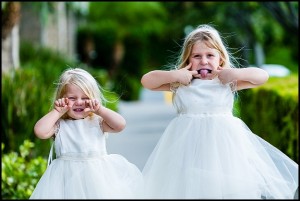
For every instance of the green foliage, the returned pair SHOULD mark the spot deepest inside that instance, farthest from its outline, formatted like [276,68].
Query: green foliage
[24,101]
[20,173]
[271,111]
[282,55]
[98,40]
[119,34]
[143,17]
[129,87]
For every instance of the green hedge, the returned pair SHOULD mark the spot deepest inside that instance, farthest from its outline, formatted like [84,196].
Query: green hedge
[271,111]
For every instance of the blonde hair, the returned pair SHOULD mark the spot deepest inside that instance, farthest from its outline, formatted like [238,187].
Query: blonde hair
[82,79]
[211,37]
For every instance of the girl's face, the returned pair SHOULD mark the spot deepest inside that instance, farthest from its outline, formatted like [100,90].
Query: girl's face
[77,99]
[203,57]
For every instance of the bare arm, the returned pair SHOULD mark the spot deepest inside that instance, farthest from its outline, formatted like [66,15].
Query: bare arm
[159,80]
[246,77]
[45,127]
[112,121]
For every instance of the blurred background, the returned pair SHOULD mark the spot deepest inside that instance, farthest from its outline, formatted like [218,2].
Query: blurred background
[120,41]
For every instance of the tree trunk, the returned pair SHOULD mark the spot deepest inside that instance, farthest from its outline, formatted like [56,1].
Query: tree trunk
[10,36]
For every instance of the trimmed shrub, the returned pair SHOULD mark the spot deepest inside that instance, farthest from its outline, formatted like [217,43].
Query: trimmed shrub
[271,111]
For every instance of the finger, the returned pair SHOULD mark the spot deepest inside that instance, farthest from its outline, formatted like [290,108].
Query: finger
[96,102]
[197,76]
[216,72]
[194,72]
[63,101]
[87,103]
[97,105]
[87,109]
[70,104]
[92,104]
[60,102]
[56,103]
[66,107]
[188,66]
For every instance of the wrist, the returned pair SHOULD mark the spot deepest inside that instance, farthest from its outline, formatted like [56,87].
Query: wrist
[59,113]
[175,77]
[99,110]
[56,110]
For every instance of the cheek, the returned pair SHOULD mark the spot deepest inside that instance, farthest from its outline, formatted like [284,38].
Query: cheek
[71,103]
[216,63]
[194,64]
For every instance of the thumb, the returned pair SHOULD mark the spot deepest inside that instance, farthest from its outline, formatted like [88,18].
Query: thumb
[219,69]
[69,105]
[194,72]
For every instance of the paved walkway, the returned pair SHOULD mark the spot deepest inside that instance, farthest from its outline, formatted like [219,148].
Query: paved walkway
[146,121]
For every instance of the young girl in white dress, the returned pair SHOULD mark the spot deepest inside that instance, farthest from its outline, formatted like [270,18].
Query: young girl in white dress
[206,152]
[83,169]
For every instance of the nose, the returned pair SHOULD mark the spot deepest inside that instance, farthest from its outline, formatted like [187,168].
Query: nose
[203,61]
[79,102]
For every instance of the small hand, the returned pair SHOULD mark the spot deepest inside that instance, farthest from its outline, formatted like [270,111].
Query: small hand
[185,75]
[62,105]
[226,75]
[92,106]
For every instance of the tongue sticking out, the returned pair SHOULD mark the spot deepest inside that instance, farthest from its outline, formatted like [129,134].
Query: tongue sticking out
[203,73]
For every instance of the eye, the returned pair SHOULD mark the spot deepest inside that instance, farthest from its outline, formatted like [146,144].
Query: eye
[87,98]
[71,98]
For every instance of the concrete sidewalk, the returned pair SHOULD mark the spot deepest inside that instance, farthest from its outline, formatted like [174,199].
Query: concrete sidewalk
[146,121]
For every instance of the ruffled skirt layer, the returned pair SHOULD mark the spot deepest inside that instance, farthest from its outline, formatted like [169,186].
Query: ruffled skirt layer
[216,156]
[105,177]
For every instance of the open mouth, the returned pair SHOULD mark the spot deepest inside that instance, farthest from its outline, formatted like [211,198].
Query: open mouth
[78,110]
[204,72]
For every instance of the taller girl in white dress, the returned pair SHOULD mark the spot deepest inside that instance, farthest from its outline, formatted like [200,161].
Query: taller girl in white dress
[206,152]
[82,168]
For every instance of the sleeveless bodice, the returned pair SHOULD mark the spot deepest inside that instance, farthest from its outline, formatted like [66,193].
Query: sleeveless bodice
[204,96]
[80,137]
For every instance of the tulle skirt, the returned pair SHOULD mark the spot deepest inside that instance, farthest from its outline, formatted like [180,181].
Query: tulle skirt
[216,156]
[105,177]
